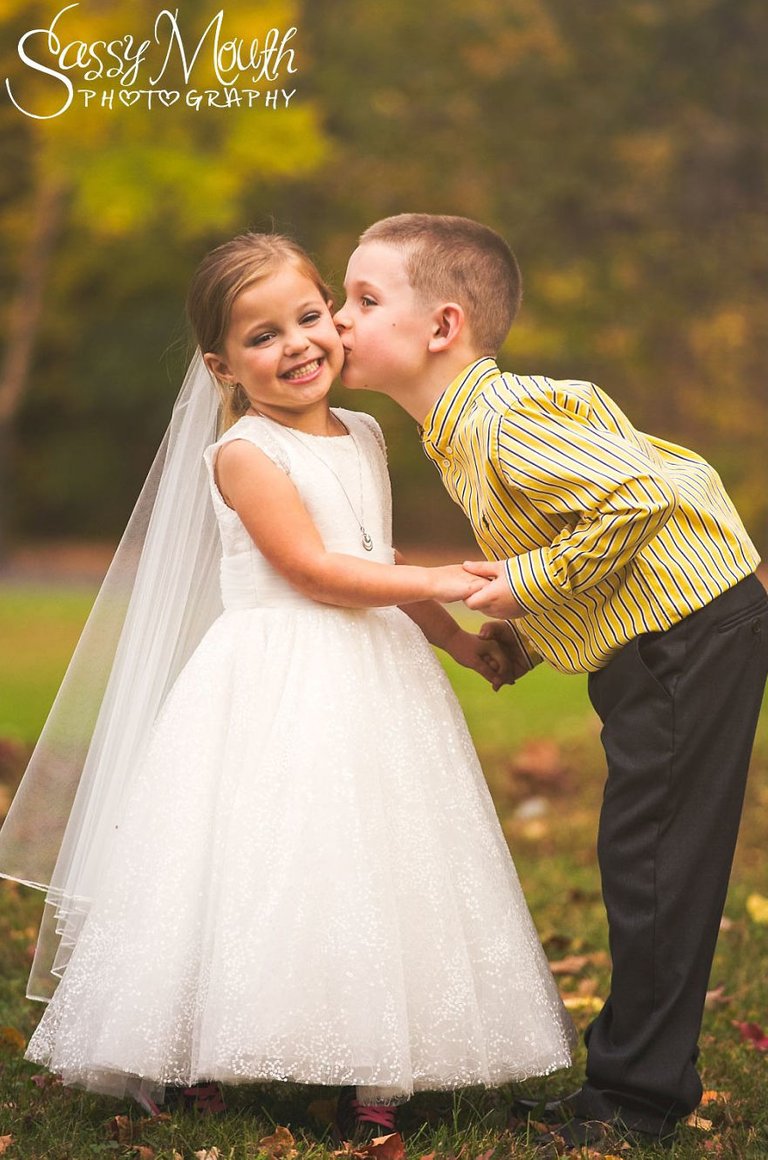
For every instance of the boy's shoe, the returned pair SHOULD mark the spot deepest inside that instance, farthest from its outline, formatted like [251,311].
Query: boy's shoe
[361,1122]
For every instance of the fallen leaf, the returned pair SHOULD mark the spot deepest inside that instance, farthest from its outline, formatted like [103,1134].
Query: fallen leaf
[757,908]
[753,1032]
[540,763]
[716,997]
[570,965]
[10,1037]
[591,1003]
[121,1128]
[280,1145]
[428,1156]
[699,1123]
[143,1152]
[207,1154]
[713,1097]
[44,1079]
[389,1147]
[5,1143]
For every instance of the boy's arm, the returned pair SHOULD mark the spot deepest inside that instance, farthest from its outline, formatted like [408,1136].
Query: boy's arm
[605,495]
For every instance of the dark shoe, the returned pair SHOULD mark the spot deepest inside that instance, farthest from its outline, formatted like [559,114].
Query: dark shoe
[572,1122]
[361,1122]
[548,1111]
[600,1137]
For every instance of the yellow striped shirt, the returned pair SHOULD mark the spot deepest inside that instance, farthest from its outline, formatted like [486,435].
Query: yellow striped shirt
[607,533]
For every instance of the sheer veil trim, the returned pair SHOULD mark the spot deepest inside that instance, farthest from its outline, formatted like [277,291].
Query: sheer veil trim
[158,599]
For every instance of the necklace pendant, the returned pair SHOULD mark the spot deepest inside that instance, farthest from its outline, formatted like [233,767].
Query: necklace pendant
[367,541]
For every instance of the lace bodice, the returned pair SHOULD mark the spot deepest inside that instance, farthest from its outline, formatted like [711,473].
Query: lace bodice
[343,482]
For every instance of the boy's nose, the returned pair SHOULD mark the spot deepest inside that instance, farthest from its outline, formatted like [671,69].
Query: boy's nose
[340,320]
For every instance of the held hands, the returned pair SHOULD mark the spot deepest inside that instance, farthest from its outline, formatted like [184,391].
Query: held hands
[487,653]
[453,582]
[495,598]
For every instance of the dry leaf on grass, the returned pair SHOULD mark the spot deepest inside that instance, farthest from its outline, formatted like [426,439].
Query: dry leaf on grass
[576,1002]
[752,1033]
[713,1097]
[122,1129]
[144,1152]
[5,1143]
[389,1147]
[207,1154]
[572,964]
[698,1122]
[10,1037]
[716,997]
[280,1145]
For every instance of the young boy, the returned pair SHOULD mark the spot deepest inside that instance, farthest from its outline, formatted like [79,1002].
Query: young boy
[610,552]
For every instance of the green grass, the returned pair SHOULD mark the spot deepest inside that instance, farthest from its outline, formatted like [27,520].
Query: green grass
[538,739]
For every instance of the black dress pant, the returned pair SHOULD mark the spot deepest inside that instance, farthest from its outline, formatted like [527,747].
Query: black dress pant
[679,710]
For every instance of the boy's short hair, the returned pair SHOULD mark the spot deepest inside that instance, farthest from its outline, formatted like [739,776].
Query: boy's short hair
[458,260]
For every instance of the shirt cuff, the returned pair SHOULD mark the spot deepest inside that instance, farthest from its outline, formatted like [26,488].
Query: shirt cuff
[527,646]
[530,581]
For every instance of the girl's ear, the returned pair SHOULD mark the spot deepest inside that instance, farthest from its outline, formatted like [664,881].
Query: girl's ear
[218,368]
[447,326]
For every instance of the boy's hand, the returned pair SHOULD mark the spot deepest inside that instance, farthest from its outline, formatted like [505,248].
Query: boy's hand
[496,598]
[484,654]
[518,661]
[450,583]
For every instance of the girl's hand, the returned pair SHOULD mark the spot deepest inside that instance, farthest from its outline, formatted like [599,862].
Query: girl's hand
[451,583]
[485,655]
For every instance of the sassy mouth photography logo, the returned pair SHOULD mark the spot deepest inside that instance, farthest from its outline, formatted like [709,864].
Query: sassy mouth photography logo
[61,70]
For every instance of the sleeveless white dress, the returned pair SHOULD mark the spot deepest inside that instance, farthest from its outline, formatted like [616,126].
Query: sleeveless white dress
[309,881]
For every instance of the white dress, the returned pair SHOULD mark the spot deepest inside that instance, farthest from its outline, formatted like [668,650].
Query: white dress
[309,881]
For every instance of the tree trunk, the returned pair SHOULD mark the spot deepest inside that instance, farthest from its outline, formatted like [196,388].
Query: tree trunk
[23,328]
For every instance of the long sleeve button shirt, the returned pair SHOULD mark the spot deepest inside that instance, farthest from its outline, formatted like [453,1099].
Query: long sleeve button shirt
[606,533]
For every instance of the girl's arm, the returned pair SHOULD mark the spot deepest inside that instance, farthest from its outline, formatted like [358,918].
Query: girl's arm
[282,529]
[483,654]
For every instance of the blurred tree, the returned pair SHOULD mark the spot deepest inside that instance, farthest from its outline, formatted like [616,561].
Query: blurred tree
[106,173]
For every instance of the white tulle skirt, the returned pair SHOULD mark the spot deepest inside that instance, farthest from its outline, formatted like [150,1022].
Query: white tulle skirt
[309,882]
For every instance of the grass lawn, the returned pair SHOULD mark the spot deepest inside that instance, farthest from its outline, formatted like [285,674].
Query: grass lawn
[540,749]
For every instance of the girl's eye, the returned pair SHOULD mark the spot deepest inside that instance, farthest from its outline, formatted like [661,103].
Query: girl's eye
[261,339]
[311,317]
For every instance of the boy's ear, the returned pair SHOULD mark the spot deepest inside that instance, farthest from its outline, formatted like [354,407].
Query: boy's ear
[447,325]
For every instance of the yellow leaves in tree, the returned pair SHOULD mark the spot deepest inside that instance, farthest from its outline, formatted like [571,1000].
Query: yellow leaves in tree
[757,909]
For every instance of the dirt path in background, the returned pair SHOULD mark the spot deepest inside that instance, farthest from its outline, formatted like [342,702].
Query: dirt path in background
[78,562]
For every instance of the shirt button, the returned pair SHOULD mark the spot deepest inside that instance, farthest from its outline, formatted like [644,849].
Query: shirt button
[756,627]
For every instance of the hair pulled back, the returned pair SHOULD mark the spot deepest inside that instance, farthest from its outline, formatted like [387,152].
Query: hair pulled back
[224,274]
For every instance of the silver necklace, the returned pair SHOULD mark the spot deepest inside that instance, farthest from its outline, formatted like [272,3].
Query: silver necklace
[366,540]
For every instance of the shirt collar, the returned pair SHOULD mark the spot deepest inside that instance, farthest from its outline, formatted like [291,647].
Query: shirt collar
[441,422]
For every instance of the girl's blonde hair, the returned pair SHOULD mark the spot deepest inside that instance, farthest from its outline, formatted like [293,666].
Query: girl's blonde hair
[222,275]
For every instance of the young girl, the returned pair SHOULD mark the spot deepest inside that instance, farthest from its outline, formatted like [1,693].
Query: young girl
[280,861]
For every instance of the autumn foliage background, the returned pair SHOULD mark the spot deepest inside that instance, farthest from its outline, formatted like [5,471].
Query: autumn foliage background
[620,148]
